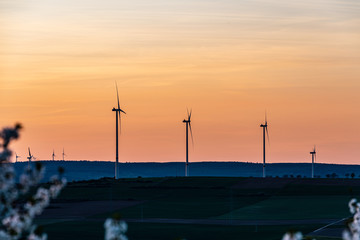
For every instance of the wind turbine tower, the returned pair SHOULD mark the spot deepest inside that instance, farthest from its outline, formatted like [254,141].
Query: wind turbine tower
[63,155]
[188,126]
[265,132]
[53,155]
[16,157]
[118,112]
[313,158]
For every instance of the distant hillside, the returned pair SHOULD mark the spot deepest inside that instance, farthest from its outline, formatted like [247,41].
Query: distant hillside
[84,170]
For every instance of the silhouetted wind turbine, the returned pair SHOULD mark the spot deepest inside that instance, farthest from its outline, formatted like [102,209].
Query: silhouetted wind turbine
[53,155]
[30,157]
[63,155]
[265,132]
[118,112]
[188,125]
[313,158]
[16,157]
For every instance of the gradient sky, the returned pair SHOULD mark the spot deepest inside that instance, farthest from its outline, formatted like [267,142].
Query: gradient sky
[228,60]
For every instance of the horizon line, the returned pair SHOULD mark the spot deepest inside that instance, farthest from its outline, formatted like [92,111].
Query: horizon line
[207,161]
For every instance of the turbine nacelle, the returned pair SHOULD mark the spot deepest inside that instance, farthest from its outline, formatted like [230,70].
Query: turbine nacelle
[314,151]
[266,123]
[118,110]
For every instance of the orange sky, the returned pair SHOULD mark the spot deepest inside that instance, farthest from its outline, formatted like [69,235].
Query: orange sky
[227,60]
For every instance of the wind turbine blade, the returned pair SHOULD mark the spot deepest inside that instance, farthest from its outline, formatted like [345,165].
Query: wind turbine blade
[190,115]
[265,117]
[117,94]
[119,109]
[119,123]
[267,134]
[29,152]
[192,138]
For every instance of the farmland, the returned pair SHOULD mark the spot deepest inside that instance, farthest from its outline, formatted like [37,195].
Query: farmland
[201,207]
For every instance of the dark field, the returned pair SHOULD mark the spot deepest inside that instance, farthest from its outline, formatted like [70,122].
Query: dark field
[201,207]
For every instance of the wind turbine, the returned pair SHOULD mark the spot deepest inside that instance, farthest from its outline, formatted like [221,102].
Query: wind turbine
[313,158]
[53,155]
[188,125]
[118,112]
[16,157]
[265,132]
[30,157]
[63,155]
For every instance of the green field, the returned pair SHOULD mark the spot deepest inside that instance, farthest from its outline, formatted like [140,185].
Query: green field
[223,208]
[293,207]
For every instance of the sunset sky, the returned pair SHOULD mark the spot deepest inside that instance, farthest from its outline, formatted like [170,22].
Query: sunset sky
[229,60]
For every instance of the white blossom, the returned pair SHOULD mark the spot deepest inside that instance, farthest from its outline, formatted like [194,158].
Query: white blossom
[352,205]
[16,221]
[115,229]
[292,236]
[4,235]
[353,229]
[34,236]
[56,186]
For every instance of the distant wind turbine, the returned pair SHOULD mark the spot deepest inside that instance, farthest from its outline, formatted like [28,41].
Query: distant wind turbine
[265,132]
[118,112]
[30,157]
[63,155]
[313,158]
[16,157]
[53,155]
[188,125]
